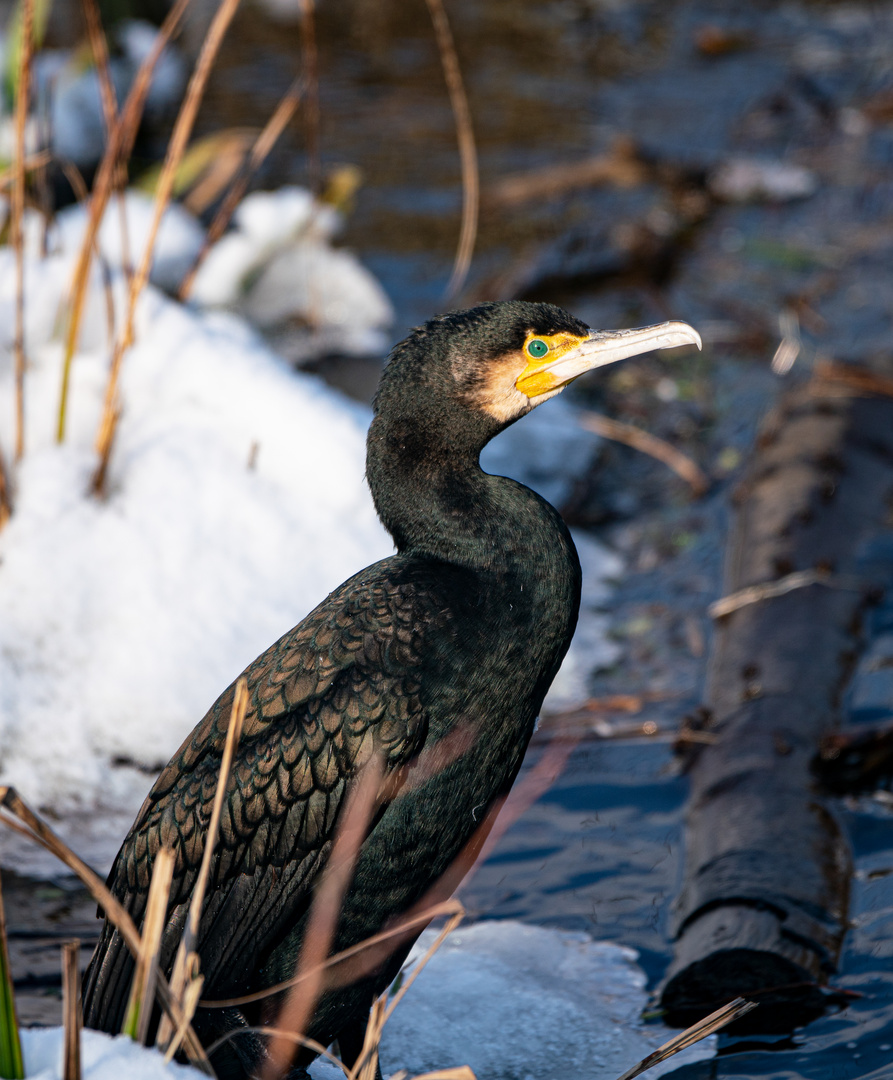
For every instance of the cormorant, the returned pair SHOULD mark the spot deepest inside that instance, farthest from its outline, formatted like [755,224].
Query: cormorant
[460,632]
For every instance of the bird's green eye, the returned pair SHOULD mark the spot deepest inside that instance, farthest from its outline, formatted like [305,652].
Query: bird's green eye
[537,348]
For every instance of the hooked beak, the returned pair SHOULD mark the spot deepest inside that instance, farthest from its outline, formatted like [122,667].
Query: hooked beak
[600,348]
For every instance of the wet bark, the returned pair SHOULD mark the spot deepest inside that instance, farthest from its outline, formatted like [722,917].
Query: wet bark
[763,904]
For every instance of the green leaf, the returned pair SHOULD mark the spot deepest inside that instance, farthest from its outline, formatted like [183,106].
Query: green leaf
[12,1065]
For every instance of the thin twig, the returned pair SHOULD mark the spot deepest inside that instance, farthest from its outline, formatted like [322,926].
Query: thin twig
[648,444]
[768,590]
[467,151]
[190,931]
[621,166]
[400,929]
[265,142]
[692,1035]
[383,1008]
[322,922]
[310,57]
[279,1033]
[118,149]
[142,989]
[30,825]
[23,94]
[72,1014]
[176,147]
[99,48]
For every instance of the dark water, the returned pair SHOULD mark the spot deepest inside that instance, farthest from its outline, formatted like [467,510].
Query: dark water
[552,83]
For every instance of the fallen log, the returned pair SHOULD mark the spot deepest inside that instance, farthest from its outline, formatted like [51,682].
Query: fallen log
[763,905]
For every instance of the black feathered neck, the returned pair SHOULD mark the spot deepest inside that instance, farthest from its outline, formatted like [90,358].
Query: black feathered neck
[426,437]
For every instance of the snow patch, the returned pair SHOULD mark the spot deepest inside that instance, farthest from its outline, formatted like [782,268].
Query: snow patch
[516,1001]
[103,1057]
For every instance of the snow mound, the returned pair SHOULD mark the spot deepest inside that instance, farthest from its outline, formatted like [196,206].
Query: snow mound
[103,1057]
[179,239]
[515,1001]
[277,268]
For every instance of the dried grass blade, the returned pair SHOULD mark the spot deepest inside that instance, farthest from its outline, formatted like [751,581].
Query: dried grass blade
[118,148]
[265,142]
[23,94]
[322,920]
[71,1011]
[190,999]
[649,444]
[99,48]
[416,971]
[22,819]
[366,1065]
[692,1035]
[12,1064]
[398,930]
[176,147]
[190,931]
[142,989]
[310,59]
[467,150]
[280,1033]
[461,1072]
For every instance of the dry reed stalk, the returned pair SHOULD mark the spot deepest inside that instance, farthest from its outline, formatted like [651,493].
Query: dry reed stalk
[142,988]
[322,921]
[99,48]
[79,187]
[23,94]
[186,948]
[264,143]
[279,1033]
[21,818]
[190,999]
[692,1035]
[418,918]
[117,150]
[378,1018]
[72,1014]
[73,176]
[310,58]
[175,150]
[649,444]
[523,795]
[467,151]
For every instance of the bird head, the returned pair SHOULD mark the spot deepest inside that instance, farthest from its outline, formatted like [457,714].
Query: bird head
[500,360]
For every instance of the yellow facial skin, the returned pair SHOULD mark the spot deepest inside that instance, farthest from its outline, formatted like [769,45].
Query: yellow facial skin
[533,380]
